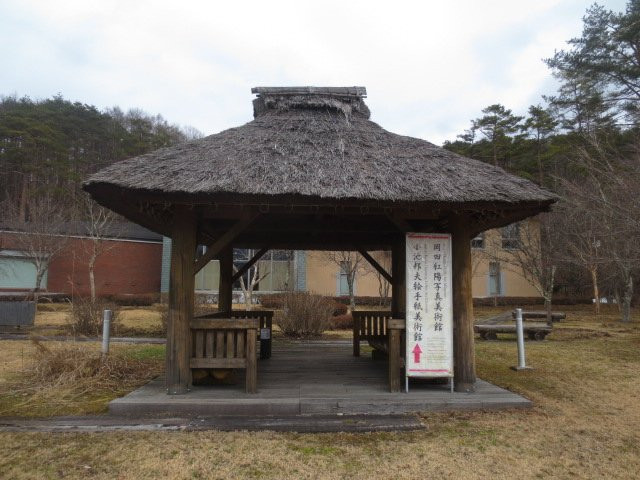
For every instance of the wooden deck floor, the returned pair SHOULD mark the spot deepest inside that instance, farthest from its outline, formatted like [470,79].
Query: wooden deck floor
[313,378]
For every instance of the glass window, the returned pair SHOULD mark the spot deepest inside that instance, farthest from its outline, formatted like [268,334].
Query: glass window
[343,287]
[478,241]
[511,236]
[495,283]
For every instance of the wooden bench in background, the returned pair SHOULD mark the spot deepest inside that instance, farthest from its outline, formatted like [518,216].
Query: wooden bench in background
[226,343]
[540,315]
[535,331]
[265,318]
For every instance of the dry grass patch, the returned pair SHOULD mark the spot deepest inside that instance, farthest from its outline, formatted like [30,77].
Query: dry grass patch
[62,378]
[585,424]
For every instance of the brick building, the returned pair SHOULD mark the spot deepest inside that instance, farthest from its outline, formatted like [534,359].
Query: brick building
[130,263]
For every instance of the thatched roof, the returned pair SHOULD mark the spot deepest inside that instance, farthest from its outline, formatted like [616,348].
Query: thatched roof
[317,143]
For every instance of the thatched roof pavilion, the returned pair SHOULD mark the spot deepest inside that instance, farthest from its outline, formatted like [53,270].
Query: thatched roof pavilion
[311,171]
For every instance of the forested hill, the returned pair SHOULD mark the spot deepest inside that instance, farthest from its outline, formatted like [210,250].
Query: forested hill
[595,110]
[49,146]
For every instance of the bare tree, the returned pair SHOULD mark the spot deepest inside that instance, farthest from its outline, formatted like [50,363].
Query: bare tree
[254,278]
[585,242]
[39,235]
[533,253]
[99,223]
[349,264]
[608,193]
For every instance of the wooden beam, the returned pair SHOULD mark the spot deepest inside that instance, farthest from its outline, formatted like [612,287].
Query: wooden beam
[376,265]
[249,264]
[225,286]
[398,273]
[401,223]
[181,293]
[463,340]
[216,247]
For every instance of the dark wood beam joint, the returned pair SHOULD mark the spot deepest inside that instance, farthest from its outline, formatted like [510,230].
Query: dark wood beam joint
[225,240]
[242,270]
[372,261]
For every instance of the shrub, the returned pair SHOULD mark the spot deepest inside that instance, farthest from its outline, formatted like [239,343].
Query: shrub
[304,314]
[343,322]
[86,315]
[339,309]
[134,299]
[275,301]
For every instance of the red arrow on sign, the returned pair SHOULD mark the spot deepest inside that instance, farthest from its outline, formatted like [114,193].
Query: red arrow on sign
[416,353]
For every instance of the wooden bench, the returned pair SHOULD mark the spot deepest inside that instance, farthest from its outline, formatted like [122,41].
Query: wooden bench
[529,315]
[226,343]
[371,327]
[384,334]
[265,318]
[536,331]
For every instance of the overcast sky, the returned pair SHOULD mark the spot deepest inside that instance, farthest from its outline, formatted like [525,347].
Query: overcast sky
[429,66]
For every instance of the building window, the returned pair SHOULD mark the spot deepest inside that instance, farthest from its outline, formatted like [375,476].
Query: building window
[343,283]
[478,241]
[511,236]
[495,280]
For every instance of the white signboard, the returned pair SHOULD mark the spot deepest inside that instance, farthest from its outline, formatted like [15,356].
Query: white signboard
[429,318]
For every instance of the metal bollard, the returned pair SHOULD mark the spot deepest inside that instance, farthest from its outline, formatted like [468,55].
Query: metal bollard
[522,364]
[106,331]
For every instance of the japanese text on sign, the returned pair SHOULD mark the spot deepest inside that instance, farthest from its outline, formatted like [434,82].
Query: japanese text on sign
[429,325]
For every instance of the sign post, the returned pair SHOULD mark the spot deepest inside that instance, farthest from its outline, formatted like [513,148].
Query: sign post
[429,321]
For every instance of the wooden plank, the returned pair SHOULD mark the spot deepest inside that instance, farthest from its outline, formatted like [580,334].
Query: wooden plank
[463,340]
[252,362]
[512,328]
[223,323]
[210,344]
[394,360]
[396,324]
[181,296]
[199,344]
[241,338]
[356,335]
[387,276]
[249,264]
[219,343]
[339,91]
[230,343]
[218,363]
[224,241]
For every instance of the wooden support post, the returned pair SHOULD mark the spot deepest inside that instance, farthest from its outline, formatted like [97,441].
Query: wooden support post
[356,336]
[398,274]
[181,293]
[396,329]
[252,362]
[225,287]
[463,336]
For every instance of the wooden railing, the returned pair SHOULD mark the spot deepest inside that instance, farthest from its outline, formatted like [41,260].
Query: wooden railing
[226,343]
[383,333]
[265,319]
[371,327]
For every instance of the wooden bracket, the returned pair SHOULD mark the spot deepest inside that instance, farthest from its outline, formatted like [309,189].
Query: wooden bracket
[387,276]
[400,223]
[241,271]
[216,247]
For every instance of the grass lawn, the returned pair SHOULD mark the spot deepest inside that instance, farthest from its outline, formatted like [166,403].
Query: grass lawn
[585,424]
